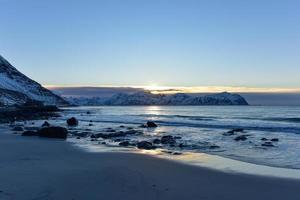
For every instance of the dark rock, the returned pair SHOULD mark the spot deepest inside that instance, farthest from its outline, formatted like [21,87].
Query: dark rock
[177,137]
[45,124]
[267,144]
[124,144]
[168,139]
[29,133]
[176,153]
[241,138]
[77,137]
[72,121]
[275,140]
[151,124]
[145,145]
[181,145]
[143,126]
[117,140]
[110,130]
[214,147]
[263,139]
[129,128]
[88,112]
[156,141]
[90,124]
[18,128]
[93,139]
[53,132]
[233,131]
[103,143]
[228,133]
[93,136]
[122,126]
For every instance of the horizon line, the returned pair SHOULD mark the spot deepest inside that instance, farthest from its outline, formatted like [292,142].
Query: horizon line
[186,89]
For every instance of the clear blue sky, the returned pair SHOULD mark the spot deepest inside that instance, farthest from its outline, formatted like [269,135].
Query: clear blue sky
[253,43]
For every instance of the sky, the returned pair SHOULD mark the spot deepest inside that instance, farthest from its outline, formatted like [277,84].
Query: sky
[174,43]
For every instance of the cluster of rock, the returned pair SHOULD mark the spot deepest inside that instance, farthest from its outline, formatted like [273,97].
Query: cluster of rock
[244,137]
[46,130]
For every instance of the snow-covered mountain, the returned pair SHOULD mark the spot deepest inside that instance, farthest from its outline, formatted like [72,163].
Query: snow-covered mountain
[147,98]
[17,89]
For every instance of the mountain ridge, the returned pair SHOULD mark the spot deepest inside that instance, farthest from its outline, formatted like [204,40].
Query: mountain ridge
[17,89]
[148,98]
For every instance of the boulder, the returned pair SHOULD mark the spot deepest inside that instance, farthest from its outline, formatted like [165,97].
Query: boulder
[124,144]
[53,132]
[181,145]
[93,136]
[29,133]
[275,140]
[45,124]
[168,139]
[151,124]
[233,131]
[176,153]
[229,133]
[263,139]
[156,141]
[241,138]
[214,147]
[72,121]
[145,145]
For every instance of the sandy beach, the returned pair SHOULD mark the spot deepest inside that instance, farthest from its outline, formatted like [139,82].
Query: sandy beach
[35,168]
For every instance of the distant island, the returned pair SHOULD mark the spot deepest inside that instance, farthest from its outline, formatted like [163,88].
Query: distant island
[148,98]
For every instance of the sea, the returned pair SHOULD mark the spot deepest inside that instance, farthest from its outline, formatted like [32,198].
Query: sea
[199,129]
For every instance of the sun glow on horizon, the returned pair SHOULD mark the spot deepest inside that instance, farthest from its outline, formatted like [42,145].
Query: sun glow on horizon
[157,89]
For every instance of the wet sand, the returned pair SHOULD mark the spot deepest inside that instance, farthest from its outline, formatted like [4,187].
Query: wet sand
[35,168]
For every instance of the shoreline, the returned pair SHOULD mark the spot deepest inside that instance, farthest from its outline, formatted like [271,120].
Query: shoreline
[37,168]
[202,160]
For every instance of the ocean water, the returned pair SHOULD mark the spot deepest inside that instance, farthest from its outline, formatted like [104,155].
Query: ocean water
[200,128]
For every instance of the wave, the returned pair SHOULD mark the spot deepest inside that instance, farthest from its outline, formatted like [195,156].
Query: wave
[211,118]
[199,118]
[282,129]
[288,119]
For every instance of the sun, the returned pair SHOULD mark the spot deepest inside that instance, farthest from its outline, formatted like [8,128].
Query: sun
[154,87]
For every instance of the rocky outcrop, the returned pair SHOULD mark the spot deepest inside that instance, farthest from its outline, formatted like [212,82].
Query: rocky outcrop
[53,132]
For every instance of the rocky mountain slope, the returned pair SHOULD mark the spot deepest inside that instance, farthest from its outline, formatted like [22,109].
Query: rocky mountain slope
[147,98]
[18,89]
